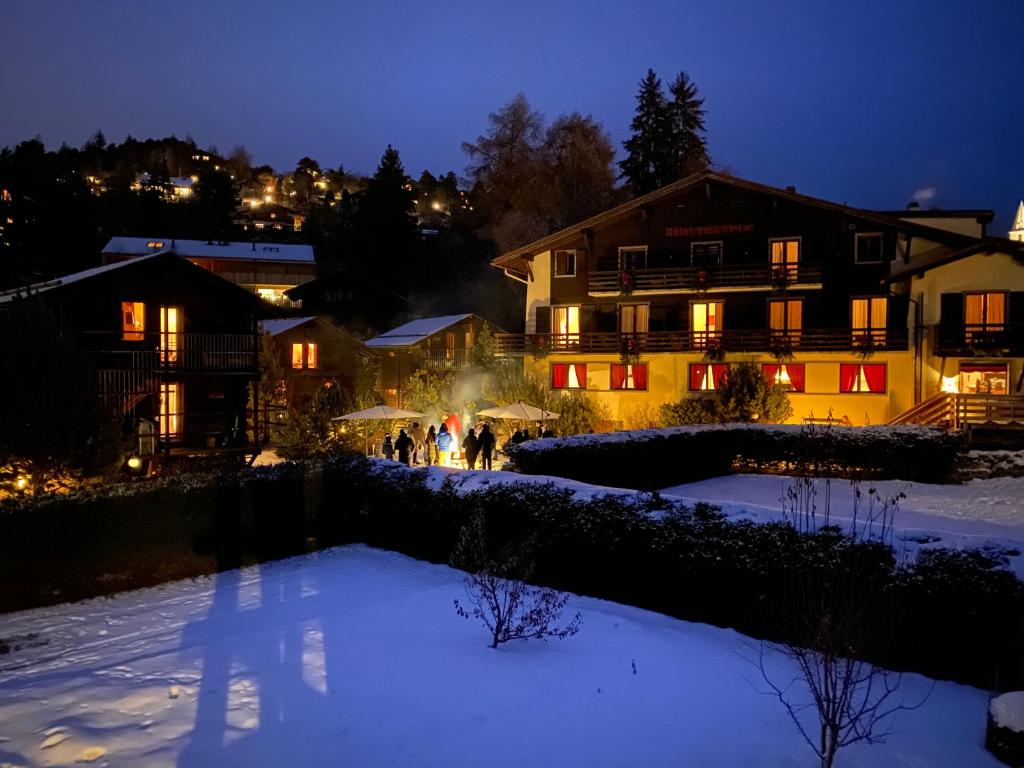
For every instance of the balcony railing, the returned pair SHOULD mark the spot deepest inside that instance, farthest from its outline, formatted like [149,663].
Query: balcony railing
[760,340]
[445,360]
[697,279]
[966,339]
[177,352]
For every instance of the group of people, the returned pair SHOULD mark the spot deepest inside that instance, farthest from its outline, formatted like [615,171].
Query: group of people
[522,435]
[436,446]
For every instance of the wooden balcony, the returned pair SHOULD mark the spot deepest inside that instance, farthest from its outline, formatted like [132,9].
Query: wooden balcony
[445,360]
[704,279]
[968,340]
[178,353]
[759,340]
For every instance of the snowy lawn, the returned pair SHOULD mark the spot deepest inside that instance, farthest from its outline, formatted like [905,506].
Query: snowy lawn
[355,656]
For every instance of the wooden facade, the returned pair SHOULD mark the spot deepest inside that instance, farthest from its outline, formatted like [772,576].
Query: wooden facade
[175,347]
[714,269]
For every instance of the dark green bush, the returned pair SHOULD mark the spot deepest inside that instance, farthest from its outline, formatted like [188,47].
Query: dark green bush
[658,458]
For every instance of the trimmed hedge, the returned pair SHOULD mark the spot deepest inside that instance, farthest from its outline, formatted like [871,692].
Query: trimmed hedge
[952,615]
[658,458]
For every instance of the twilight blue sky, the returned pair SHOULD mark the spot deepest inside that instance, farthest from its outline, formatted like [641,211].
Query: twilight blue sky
[863,102]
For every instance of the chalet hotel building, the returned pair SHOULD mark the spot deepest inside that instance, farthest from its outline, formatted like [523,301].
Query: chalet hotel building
[868,316]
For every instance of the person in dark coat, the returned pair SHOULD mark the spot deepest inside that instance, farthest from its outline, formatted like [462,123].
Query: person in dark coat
[486,441]
[549,432]
[471,447]
[517,437]
[387,448]
[404,446]
[431,446]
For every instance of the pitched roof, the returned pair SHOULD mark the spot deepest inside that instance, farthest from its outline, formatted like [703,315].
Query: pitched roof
[204,249]
[283,324]
[88,274]
[509,259]
[415,331]
[941,256]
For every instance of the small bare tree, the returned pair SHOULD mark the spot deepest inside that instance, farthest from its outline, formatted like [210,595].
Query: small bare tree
[833,698]
[497,592]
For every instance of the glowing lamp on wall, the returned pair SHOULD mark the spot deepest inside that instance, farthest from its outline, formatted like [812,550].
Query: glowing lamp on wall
[951,384]
[134,463]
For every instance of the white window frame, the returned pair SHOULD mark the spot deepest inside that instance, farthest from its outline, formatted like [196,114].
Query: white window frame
[856,247]
[719,243]
[624,249]
[554,262]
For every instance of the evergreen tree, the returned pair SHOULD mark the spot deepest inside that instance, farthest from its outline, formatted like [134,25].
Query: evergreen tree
[687,147]
[647,148]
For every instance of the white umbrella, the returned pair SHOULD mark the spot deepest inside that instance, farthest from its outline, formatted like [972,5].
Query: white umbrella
[521,411]
[379,413]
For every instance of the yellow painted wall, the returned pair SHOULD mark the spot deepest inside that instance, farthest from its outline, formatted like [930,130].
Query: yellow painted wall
[981,272]
[538,290]
[668,379]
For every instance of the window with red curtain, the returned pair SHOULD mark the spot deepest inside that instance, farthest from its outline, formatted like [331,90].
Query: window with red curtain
[618,376]
[568,375]
[629,376]
[790,376]
[559,375]
[866,377]
[704,377]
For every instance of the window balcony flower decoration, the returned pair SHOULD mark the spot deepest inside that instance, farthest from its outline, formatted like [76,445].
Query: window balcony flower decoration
[627,282]
[780,345]
[539,345]
[702,281]
[714,351]
[629,352]
[865,345]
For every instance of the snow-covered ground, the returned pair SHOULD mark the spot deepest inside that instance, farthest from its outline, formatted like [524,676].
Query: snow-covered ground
[355,656]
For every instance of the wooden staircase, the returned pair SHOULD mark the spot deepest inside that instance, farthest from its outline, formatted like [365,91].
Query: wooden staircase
[939,410]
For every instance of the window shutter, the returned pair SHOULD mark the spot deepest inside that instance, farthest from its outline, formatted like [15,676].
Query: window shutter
[543,315]
[951,308]
[606,320]
[1015,312]
[588,319]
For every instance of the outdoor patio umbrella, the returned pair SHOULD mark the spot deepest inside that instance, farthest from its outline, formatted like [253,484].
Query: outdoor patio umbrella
[520,411]
[377,413]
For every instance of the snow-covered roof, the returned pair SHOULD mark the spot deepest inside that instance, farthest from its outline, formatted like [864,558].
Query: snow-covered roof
[415,331]
[280,325]
[74,277]
[203,249]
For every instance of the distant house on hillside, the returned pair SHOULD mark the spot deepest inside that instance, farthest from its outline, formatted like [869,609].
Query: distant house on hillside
[312,351]
[269,217]
[266,269]
[174,346]
[357,303]
[430,343]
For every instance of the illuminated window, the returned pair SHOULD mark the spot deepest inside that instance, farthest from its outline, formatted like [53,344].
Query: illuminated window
[171,413]
[449,346]
[983,379]
[868,320]
[633,376]
[867,248]
[469,338]
[790,376]
[705,377]
[155,244]
[862,377]
[171,337]
[706,323]
[785,319]
[785,255]
[133,320]
[566,322]
[634,318]
[984,313]
[304,356]
[565,263]
[568,376]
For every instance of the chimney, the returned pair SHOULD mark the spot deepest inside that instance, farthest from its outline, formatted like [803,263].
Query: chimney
[791,188]
[913,205]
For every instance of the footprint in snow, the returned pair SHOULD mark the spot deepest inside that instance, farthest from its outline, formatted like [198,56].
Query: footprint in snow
[90,755]
[54,740]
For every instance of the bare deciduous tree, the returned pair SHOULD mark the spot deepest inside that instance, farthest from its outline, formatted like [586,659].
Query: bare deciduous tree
[498,595]
[833,698]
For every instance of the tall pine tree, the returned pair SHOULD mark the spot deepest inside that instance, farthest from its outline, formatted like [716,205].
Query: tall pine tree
[687,148]
[647,147]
